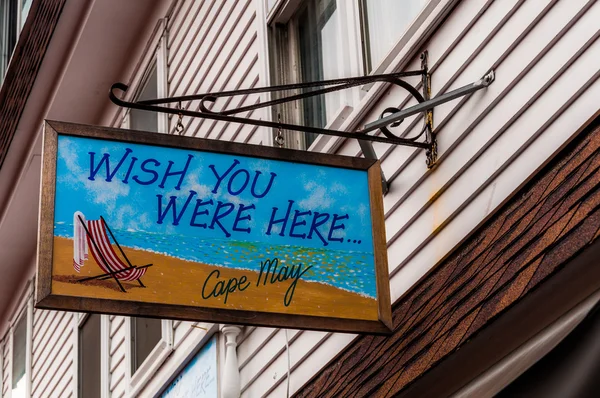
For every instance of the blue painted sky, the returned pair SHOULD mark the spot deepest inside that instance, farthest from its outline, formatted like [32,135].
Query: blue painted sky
[133,206]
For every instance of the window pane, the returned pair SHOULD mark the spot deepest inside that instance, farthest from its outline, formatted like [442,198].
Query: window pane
[386,20]
[25,11]
[318,43]
[144,120]
[8,33]
[19,349]
[146,334]
[89,358]
[270,5]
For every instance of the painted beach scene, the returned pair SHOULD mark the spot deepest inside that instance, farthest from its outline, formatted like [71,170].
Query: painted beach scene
[178,226]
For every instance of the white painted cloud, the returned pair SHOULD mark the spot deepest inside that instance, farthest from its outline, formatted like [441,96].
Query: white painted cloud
[319,199]
[100,191]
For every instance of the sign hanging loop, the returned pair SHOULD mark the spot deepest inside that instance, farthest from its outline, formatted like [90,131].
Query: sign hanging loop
[279,138]
[179,127]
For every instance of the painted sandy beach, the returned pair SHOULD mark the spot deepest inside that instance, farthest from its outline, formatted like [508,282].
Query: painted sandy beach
[181,282]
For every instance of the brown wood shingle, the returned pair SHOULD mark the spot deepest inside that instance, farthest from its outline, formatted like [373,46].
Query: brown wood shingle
[545,225]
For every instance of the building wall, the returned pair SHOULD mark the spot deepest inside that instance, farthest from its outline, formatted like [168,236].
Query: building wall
[544,53]
[53,354]
[212,46]
[488,143]
[117,353]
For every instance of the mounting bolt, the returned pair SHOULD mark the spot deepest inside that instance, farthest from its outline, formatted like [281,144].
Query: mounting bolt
[489,78]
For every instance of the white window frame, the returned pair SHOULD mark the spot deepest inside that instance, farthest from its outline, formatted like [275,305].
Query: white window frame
[349,62]
[359,101]
[20,21]
[78,321]
[145,372]
[25,308]
[155,53]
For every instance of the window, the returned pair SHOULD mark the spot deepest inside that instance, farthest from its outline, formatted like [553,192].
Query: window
[90,357]
[19,354]
[149,345]
[382,24]
[312,40]
[13,14]
[20,343]
[150,82]
[144,120]
[8,32]
[146,333]
[318,41]
[309,46]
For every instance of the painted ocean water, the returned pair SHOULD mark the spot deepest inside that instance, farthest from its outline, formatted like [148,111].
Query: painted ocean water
[349,270]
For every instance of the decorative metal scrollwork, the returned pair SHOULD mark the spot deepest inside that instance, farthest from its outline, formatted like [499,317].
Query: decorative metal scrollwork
[391,117]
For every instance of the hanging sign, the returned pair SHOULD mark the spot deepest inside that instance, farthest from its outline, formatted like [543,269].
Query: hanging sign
[177,227]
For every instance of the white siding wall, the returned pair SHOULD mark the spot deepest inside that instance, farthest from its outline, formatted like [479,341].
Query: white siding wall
[52,354]
[545,56]
[212,46]
[5,365]
[117,363]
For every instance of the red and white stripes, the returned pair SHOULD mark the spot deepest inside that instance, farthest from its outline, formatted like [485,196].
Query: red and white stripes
[105,256]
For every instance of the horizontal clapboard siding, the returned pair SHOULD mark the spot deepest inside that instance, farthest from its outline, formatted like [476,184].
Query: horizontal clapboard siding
[52,354]
[117,354]
[212,46]
[5,365]
[543,53]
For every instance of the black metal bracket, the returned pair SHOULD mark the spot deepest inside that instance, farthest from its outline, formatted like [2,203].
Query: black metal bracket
[391,117]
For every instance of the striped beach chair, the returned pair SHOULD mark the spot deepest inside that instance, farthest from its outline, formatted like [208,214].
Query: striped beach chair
[98,242]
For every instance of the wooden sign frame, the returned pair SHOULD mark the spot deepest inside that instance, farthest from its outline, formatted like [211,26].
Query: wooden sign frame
[46,299]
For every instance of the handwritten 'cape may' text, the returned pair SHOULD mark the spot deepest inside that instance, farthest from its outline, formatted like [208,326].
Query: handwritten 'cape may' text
[214,286]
